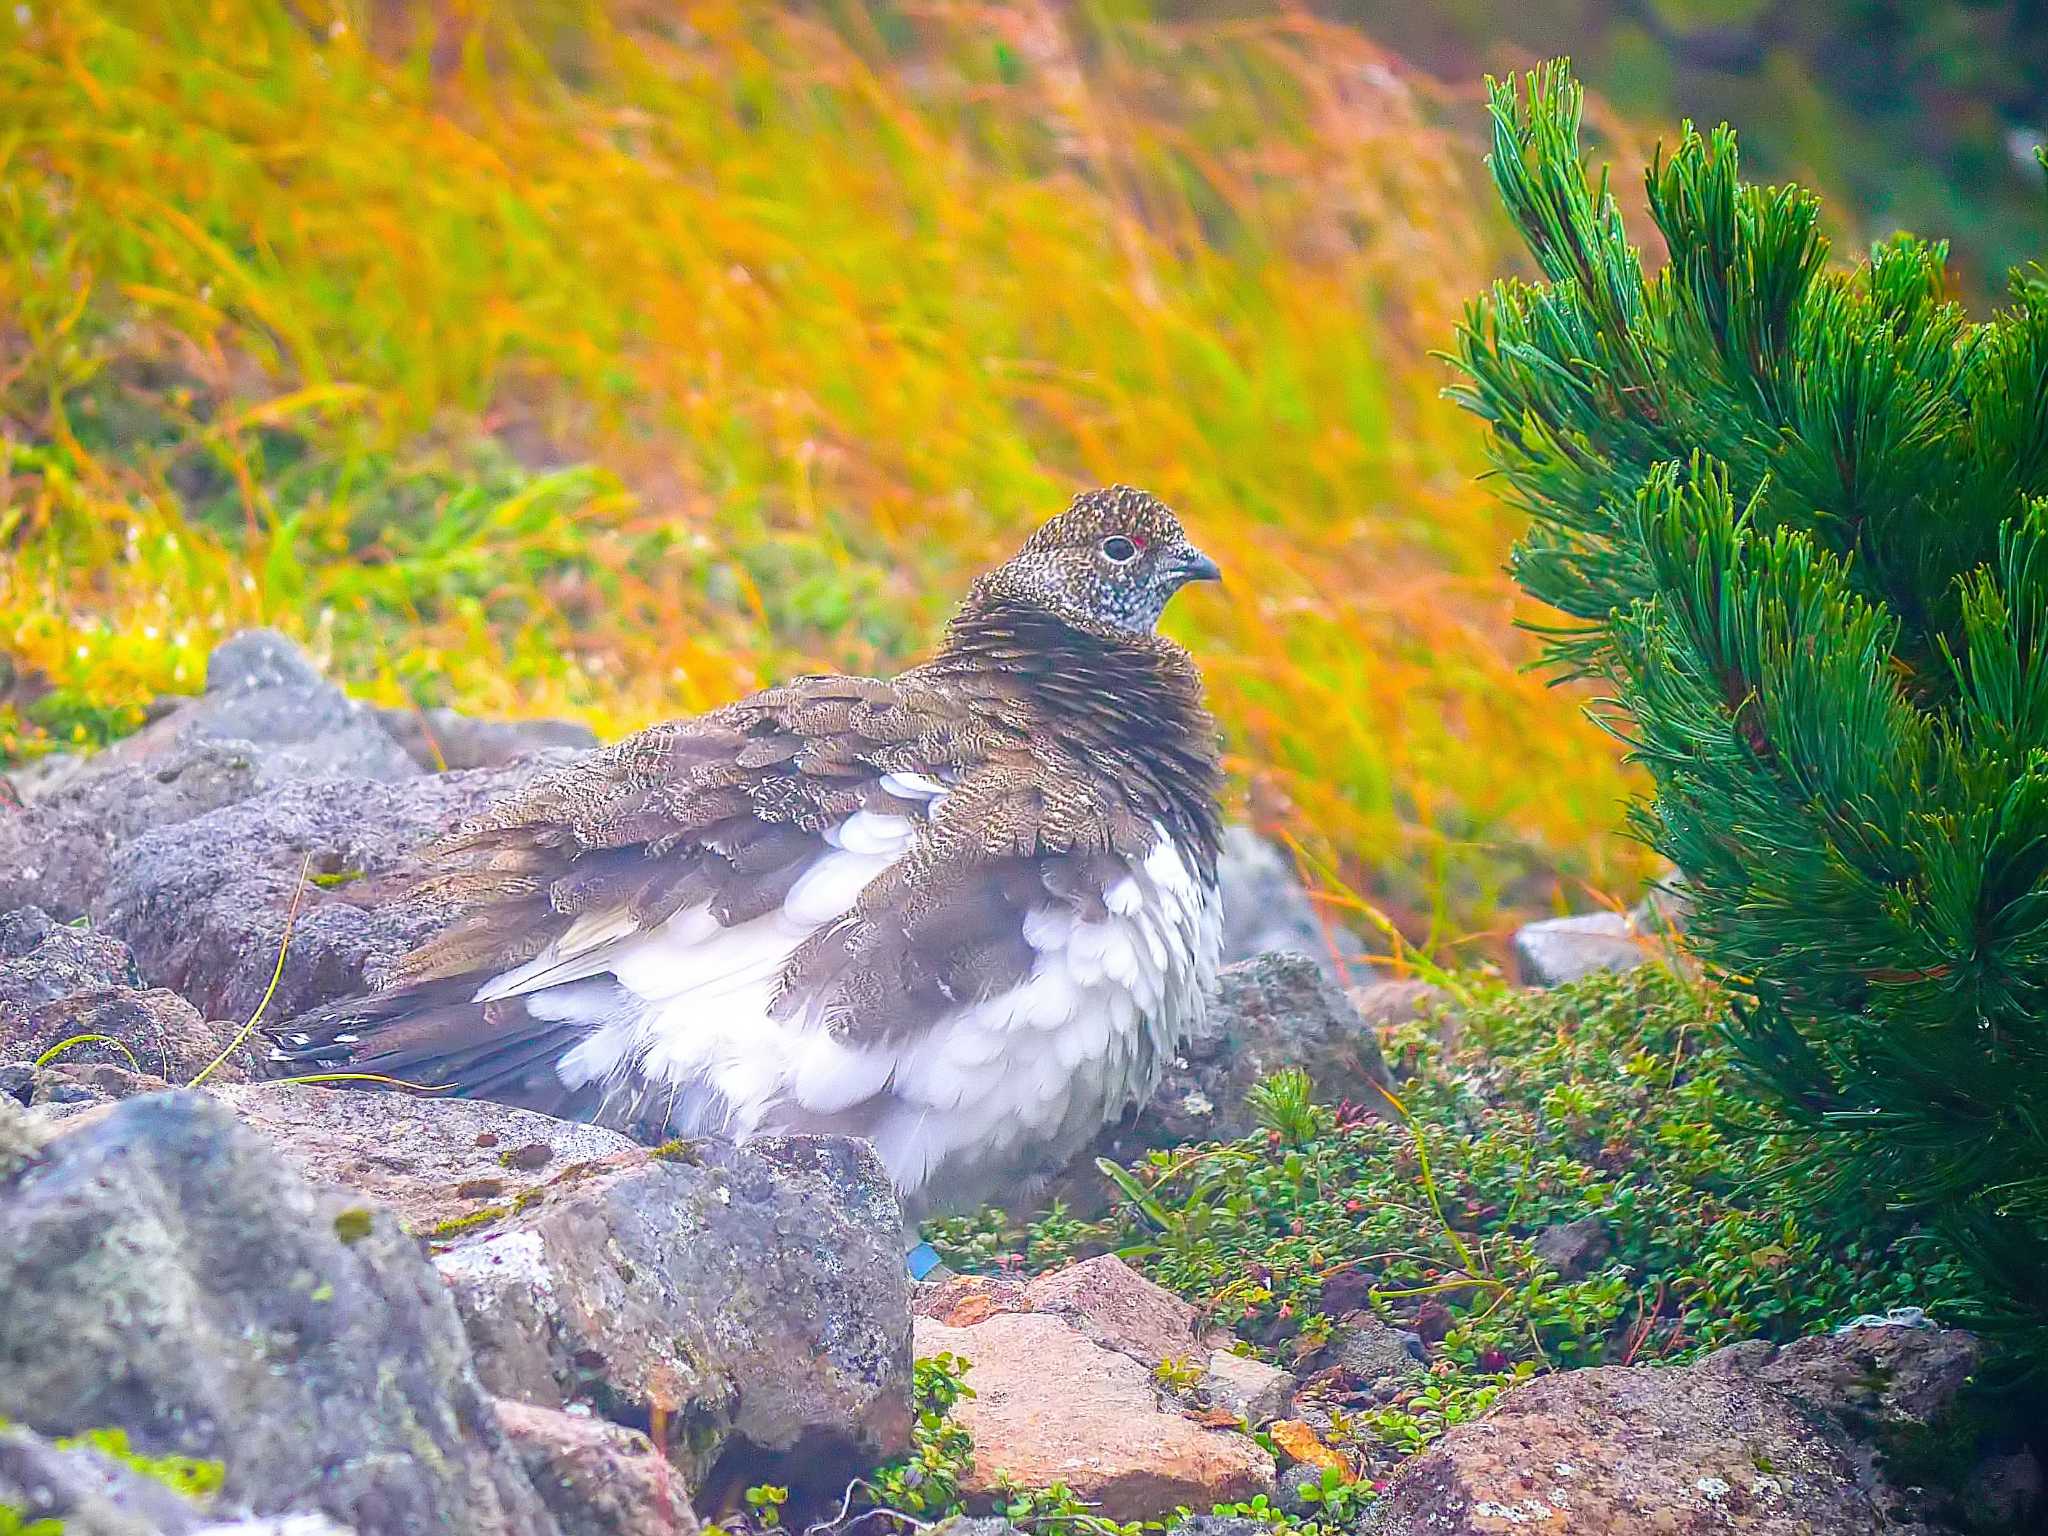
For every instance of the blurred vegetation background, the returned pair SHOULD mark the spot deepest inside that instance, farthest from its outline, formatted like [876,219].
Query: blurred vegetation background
[608,358]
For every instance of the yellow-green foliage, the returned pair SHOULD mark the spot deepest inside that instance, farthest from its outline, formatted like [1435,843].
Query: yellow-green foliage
[619,358]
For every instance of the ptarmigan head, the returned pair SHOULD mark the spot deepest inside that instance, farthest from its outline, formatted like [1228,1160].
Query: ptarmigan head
[1113,559]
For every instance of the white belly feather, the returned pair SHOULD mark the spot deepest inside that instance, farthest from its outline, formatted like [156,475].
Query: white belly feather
[997,1094]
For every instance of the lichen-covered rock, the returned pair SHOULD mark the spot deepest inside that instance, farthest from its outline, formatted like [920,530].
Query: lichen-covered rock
[961,1301]
[267,718]
[598,1478]
[87,1493]
[1222,1525]
[168,1274]
[1274,1011]
[1629,1452]
[1052,1406]
[1562,949]
[203,904]
[755,1296]
[438,1165]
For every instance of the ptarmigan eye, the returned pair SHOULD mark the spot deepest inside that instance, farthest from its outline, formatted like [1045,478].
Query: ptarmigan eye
[1118,550]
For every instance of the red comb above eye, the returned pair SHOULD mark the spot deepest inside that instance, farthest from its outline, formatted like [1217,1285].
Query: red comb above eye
[1138,539]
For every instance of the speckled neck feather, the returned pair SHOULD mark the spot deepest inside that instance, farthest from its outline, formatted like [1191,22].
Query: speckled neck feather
[1126,707]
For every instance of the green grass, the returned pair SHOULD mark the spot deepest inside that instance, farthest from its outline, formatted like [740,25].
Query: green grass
[599,363]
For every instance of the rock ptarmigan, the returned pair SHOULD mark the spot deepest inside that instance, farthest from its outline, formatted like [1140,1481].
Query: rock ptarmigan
[968,912]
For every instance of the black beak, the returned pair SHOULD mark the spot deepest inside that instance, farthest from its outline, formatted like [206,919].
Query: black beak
[1196,566]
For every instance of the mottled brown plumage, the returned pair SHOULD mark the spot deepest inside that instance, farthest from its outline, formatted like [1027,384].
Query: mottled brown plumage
[1039,755]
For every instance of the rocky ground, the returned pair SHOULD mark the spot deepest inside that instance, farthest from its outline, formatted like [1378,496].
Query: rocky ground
[238,1304]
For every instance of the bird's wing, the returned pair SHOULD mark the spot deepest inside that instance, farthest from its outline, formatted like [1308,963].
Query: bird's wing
[838,859]
[791,799]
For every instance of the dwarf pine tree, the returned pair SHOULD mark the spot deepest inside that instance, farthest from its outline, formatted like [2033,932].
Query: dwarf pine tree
[1796,516]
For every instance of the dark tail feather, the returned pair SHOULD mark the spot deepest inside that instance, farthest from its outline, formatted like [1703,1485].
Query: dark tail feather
[432,1037]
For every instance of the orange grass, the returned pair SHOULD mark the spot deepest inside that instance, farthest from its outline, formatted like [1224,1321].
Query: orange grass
[608,359]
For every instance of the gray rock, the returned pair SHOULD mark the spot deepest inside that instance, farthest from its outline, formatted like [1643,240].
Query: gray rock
[67,986]
[1743,1358]
[86,1492]
[1293,1481]
[42,960]
[1888,1376]
[22,1137]
[54,853]
[303,1524]
[1271,1012]
[1562,949]
[148,1030]
[757,1296]
[203,903]
[1631,1452]
[1574,1248]
[256,659]
[1395,1000]
[434,1163]
[440,740]
[2003,1493]
[1257,1392]
[66,1088]
[1220,1525]
[978,1525]
[167,1274]
[1372,1350]
[36,778]
[262,689]
[1266,910]
[267,718]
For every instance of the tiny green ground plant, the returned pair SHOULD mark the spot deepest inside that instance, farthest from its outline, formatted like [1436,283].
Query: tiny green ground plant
[1614,1097]
[193,1477]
